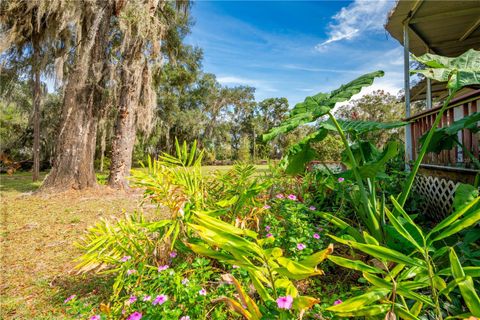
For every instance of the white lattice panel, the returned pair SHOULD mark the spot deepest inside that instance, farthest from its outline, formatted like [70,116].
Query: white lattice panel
[438,194]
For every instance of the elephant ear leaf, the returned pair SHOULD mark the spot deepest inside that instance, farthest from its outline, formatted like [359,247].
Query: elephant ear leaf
[320,104]
[461,71]
[446,137]
[302,153]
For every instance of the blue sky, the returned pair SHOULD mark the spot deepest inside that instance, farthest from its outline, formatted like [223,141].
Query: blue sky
[293,48]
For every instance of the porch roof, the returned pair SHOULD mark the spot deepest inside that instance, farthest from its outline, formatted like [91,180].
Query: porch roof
[447,28]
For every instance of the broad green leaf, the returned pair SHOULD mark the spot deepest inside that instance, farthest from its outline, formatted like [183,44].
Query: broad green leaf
[340,224]
[360,301]
[469,219]
[320,104]
[405,215]
[314,259]
[460,71]
[455,265]
[453,217]
[473,272]
[405,314]
[366,311]
[446,138]
[401,230]
[296,269]
[467,289]
[261,290]
[304,303]
[354,264]
[380,252]
[464,194]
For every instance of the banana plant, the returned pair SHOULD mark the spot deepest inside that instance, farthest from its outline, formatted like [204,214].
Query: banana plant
[270,272]
[397,278]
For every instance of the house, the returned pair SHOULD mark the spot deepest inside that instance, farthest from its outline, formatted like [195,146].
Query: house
[447,28]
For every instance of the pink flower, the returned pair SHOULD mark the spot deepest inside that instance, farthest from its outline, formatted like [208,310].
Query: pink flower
[301,246]
[266,207]
[147,298]
[185,281]
[292,197]
[95,317]
[312,208]
[280,196]
[135,316]
[235,266]
[73,296]
[341,179]
[269,235]
[132,299]
[337,302]
[285,302]
[316,236]
[267,228]
[125,259]
[185,318]
[202,292]
[162,268]
[173,254]
[131,271]
[161,299]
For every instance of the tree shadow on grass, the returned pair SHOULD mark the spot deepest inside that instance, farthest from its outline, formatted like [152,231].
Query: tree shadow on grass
[19,182]
[89,288]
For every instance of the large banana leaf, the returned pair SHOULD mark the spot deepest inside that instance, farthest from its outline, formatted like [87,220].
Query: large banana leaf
[461,71]
[319,105]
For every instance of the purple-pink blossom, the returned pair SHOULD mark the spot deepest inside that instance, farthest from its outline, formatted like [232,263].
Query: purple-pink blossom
[185,318]
[73,296]
[280,196]
[147,298]
[131,271]
[301,246]
[285,302]
[269,235]
[162,268]
[267,228]
[132,299]
[312,208]
[135,316]
[95,317]
[173,254]
[202,292]
[341,179]
[266,207]
[337,302]
[185,281]
[316,236]
[125,258]
[292,197]
[161,299]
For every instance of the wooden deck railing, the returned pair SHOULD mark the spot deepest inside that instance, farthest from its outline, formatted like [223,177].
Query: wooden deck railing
[459,108]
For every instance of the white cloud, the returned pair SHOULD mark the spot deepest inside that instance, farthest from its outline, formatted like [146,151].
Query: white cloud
[351,21]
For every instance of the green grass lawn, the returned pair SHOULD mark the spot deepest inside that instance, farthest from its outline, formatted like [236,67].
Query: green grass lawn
[37,251]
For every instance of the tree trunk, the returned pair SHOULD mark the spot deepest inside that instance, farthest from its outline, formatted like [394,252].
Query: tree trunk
[36,106]
[75,148]
[103,142]
[125,127]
